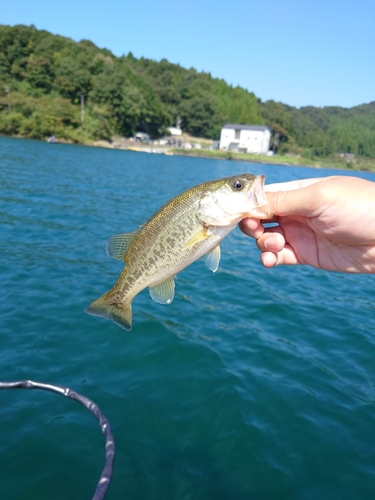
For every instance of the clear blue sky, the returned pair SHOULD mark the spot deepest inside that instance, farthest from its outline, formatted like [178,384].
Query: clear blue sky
[300,52]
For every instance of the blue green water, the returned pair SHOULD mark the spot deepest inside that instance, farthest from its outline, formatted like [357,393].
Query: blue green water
[252,384]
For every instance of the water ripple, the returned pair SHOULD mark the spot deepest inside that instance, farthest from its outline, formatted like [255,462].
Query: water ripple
[253,383]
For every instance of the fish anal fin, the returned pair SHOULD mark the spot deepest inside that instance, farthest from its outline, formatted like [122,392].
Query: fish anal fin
[163,293]
[212,258]
[196,238]
[117,245]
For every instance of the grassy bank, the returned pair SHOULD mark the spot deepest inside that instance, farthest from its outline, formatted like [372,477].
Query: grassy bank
[359,164]
[334,162]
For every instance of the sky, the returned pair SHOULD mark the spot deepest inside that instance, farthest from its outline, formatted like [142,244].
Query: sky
[299,52]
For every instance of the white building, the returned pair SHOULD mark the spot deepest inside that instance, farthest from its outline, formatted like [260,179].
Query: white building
[174,130]
[245,138]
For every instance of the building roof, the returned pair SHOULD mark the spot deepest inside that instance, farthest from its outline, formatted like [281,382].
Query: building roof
[245,127]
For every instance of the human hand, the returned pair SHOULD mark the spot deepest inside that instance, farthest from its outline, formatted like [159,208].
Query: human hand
[328,223]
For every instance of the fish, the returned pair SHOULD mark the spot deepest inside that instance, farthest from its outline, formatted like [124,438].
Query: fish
[184,229]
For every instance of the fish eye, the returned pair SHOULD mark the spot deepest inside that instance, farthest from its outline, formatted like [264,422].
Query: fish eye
[238,185]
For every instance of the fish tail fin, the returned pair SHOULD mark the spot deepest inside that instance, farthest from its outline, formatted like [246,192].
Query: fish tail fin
[121,314]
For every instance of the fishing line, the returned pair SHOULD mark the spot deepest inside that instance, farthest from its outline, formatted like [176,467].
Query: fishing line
[106,476]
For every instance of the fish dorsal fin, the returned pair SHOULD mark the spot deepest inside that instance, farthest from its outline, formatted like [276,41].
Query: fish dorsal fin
[118,245]
[200,236]
[212,258]
[163,293]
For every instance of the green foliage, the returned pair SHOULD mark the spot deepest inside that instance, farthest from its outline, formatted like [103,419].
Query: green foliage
[38,117]
[321,132]
[39,68]
[204,104]
[42,77]
[39,73]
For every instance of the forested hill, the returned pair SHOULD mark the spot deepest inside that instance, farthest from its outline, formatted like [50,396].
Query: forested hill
[42,78]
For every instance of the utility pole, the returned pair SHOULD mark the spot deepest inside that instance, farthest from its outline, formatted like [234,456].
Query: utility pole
[275,142]
[7,91]
[82,111]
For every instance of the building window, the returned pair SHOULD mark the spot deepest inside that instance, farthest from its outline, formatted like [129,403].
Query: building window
[237,134]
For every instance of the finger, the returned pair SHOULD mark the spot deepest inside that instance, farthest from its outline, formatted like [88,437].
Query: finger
[297,198]
[271,241]
[252,227]
[299,202]
[268,259]
[286,256]
[292,185]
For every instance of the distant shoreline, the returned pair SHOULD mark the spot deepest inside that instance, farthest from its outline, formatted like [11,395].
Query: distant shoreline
[357,165]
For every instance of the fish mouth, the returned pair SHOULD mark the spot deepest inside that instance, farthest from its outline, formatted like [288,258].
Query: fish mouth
[257,198]
[260,195]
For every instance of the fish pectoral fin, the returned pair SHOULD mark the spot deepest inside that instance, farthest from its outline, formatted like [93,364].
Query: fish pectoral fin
[163,293]
[117,245]
[200,236]
[212,258]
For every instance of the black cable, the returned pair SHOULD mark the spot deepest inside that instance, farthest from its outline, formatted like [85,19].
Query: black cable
[106,476]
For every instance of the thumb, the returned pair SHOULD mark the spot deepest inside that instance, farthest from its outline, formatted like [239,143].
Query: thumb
[298,202]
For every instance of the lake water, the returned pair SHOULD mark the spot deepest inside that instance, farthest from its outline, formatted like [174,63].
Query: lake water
[252,384]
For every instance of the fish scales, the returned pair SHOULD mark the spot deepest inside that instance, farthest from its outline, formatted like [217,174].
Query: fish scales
[186,228]
[168,236]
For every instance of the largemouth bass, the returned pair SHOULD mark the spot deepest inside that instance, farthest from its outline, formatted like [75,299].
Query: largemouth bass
[181,231]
